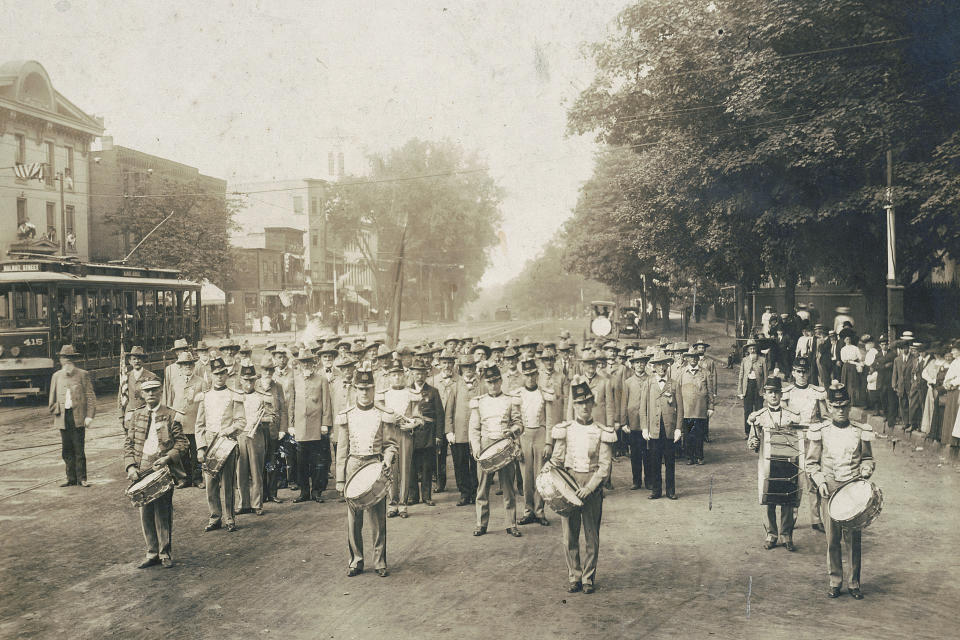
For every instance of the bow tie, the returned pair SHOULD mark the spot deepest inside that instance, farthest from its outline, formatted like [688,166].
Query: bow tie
[774,409]
[661,380]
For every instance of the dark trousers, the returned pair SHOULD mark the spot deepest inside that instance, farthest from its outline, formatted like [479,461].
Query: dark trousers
[904,402]
[71,439]
[313,467]
[464,470]
[662,451]
[889,404]
[694,429]
[156,521]
[190,464]
[440,470]
[271,469]
[751,402]
[421,474]
[638,457]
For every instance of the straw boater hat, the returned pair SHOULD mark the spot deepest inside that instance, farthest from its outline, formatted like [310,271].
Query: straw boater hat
[180,344]
[661,358]
[67,351]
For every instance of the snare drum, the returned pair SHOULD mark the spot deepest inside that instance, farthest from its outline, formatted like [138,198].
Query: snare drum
[559,490]
[497,455]
[217,454]
[366,486]
[856,504]
[150,487]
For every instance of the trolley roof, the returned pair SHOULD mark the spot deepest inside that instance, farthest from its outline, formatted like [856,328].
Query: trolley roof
[52,270]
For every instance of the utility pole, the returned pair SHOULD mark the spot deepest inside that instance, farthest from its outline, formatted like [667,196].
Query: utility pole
[894,291]
[63,217]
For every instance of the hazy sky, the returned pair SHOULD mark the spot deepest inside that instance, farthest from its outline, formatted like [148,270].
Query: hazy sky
[245,90]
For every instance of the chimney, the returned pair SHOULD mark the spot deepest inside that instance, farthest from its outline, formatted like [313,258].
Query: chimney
[106,143]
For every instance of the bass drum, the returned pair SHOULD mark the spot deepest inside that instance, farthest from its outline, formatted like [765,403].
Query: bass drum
[559,490]
[601,326]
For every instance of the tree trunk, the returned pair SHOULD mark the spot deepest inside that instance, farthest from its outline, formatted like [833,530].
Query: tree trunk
[790,292]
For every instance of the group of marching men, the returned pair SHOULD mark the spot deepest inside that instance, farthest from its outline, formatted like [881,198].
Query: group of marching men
[357,402]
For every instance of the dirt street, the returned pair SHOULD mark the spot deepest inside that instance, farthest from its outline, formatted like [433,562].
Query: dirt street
[693,568]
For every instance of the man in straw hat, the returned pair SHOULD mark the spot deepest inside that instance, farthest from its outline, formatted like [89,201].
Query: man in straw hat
[457,412]
[220,415]
[661,429]
[493,416]
[186,396]
[312,413]
[154,440]
[840,451]
[584,448]
[73,405]
[366,434]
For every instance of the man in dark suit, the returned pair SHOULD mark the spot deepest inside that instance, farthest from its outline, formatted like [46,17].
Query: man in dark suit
[457,413]
[426,438]
[445,382]
[658,418]
[883,365]
[73,405]
[154,439]
[633,390]
[902,375]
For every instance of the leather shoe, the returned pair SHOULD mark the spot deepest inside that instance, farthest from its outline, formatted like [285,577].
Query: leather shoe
[528,519]
[514,531]
[430,503]
[672,496]
[166,562]
[479,531]
[790,546]
[635,487]
[690,462]
[319,500]
[258,512]
[544,522]
[244,511]
[818,527]
[404,514]
[588,588]
[67,484]
[653,496]
[462,502]
[383,573]
[231,527]
[276,500]
[200,485]
[856,594]
[834,592]
[149,562]
[83,483]
[354,571]
[499,492]
[299,499]
[769,544]
[574,587]
[213,526]
[392,514]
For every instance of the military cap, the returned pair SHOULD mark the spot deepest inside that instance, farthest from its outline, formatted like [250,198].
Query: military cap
[801,364]
[491,373]
[420,364]
[363,378]
[247,370]
[581,392]
[245,347]
[773,383]
[395,366]
[837,395]
[217,365]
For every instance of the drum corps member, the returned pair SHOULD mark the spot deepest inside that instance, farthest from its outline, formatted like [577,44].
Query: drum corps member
[73,405]
[154,439]
[840,451]
[775,422]
[366,433]
[585,449]
[493,416]
[810,401]
[220,415]
[538,414]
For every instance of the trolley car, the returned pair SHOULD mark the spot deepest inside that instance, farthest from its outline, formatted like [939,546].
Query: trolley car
[100,309]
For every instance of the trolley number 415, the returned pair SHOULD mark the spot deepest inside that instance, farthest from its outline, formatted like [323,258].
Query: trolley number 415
[33,342]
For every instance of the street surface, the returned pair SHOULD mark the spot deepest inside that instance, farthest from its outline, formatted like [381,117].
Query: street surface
[693,568]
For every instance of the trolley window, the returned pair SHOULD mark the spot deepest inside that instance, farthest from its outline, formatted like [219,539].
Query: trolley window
[24,305]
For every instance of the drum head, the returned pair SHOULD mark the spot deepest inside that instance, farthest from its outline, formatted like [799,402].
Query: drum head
[850,500]
[567,485]
[362,479]
[601,326]
[495,448]
[146,480]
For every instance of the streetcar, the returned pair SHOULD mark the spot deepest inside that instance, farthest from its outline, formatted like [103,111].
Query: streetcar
[46,302]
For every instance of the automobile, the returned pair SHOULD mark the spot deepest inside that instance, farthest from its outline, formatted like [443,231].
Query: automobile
[602,316]
[628,322]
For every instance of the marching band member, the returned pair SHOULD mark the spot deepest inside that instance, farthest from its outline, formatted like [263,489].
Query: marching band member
[494,415]
[154,439]
[633,389]
[366,433]
[312,413]
[403,402]
[220,414]
[585,449]
[457,414]
[764,425]
[840,451]
[252,441]
[537,413]
[810,402]
[660,427]
[276,421]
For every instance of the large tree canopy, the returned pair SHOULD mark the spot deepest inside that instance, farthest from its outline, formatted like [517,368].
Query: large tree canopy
[759,131]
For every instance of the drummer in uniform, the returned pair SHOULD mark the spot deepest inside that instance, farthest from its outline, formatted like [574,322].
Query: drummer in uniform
[537,411]
[365,434]
[154,439]
[494,416]
[810,401]
[220,415]
[584,448]
[840,451]
[404,402]
[764,424]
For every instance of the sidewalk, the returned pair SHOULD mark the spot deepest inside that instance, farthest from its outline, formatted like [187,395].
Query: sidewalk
[913,444]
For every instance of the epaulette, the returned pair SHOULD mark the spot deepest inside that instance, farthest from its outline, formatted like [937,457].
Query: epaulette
[817,389]
[607,434]
[754,415]
[559,431]
[475,401]
[549,396]
[515,400]
[817,426]
[863,426]
[788,388]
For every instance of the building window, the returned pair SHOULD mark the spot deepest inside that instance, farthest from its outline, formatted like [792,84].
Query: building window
[298,205]
[51,220]
[70,235]
[315,239]
[340,162]
[21,211]
[51,164]
[314,206]
[68,170]
[330,168]
[21,148]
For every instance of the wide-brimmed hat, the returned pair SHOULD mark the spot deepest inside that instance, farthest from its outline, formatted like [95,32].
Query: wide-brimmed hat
[202,346]
[344,361]
[691,353]
[451,338]
[420,364]
[150,384]
[306,355]
[466,361]
[510,352]
[639,355]
[136,350]
[528,343]
[228,344]
[612,346]
[266,362]
[701,343]
[185,357]
[481,347]
[447,355]
[588,355]
[404,350]
[180,343]
[67,351]
[661,358]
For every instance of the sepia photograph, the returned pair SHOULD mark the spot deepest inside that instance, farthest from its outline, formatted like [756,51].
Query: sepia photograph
[623,319]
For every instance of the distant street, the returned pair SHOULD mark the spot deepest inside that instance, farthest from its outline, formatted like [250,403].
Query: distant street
[693,568]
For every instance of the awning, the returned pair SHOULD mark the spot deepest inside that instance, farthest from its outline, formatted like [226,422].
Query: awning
[352,296]
[211,294]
